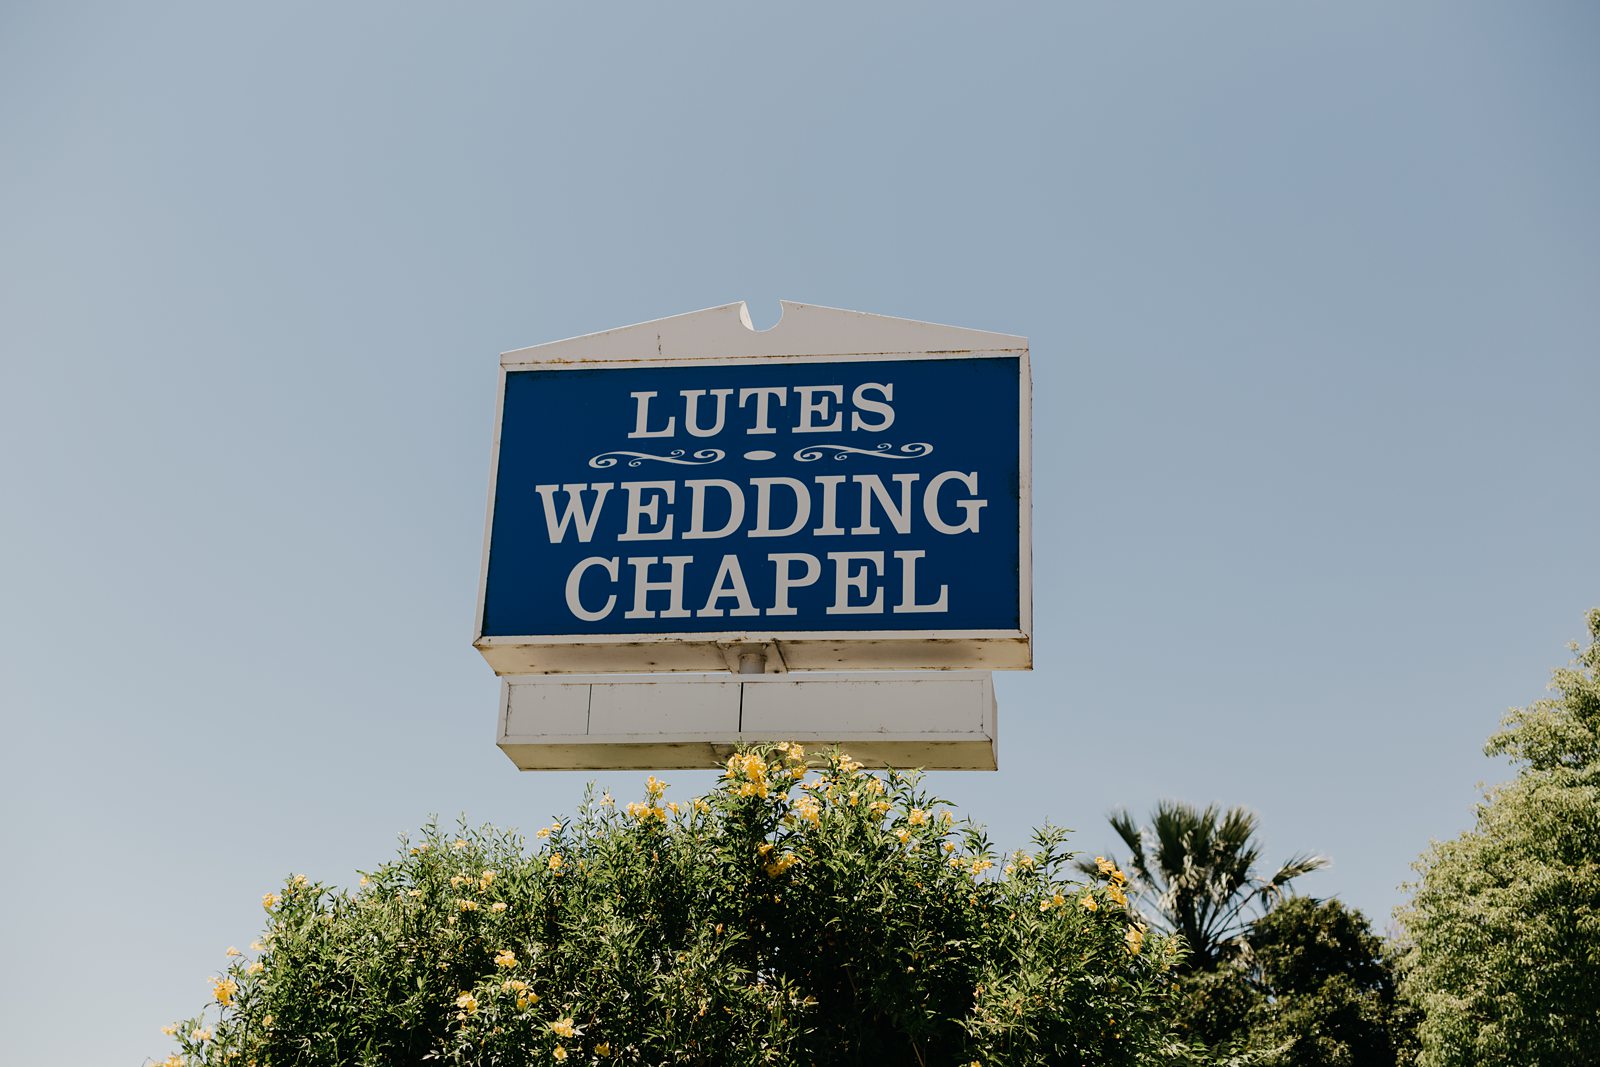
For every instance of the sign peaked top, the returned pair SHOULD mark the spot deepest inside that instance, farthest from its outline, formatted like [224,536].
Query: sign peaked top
[726,332]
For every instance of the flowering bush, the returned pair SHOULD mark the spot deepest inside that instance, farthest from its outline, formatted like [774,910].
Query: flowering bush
[797,914]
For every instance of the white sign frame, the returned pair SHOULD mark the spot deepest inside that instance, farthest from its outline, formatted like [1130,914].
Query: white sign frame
[805,333]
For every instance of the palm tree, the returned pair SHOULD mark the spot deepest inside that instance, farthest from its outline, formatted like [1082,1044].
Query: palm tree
[1193,872]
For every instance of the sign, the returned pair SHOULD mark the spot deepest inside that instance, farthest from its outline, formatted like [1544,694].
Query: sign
[844,491]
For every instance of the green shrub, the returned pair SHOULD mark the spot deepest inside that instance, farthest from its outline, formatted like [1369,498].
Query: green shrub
[1328,985]
[1308,984]
[1503,929]
[791,916]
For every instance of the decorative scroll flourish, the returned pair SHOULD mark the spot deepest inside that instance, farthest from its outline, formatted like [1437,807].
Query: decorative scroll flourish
[883,450]
[700,458]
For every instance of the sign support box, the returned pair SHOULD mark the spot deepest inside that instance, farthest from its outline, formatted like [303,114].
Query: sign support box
[655,722]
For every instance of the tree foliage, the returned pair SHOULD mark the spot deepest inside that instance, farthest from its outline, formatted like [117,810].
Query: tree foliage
[829,916]
[1310,986]
[1194,873]
[1328,990]
[1504,923]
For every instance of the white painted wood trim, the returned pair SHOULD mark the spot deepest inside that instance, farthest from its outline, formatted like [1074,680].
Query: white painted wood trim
[873,650]
[488,518]
[801,330]
[944,721]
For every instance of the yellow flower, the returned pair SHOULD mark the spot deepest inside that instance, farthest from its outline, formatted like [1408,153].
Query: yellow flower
[555,861]
[607,800]
[255,968]
[486,879]
[459,843]
[269,901]
[808,809]
[514,985]
[1088,903]
[467,1003]
[267,1021]
[505,958]
[256,946]
[198,1034]
[563,1027]
[559,1053]
[917,817]
[1135,939]
[467,905]
[365,880]
[672,806]
[169,1030]
[173,1060]
[654,786]
[903,834]
[458,880]
[544,831]
[949,846]
[299,879]
[232,952]
[498,906]
[1109,869]
[1114,891]
[603,1049]
[224,989]
[779,865]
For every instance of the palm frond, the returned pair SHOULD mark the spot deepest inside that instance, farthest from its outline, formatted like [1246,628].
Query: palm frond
[1195,870]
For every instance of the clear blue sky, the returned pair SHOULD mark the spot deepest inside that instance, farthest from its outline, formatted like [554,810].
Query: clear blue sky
[1314,301]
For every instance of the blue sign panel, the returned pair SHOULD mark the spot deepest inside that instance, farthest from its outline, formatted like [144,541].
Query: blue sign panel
[781,496]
